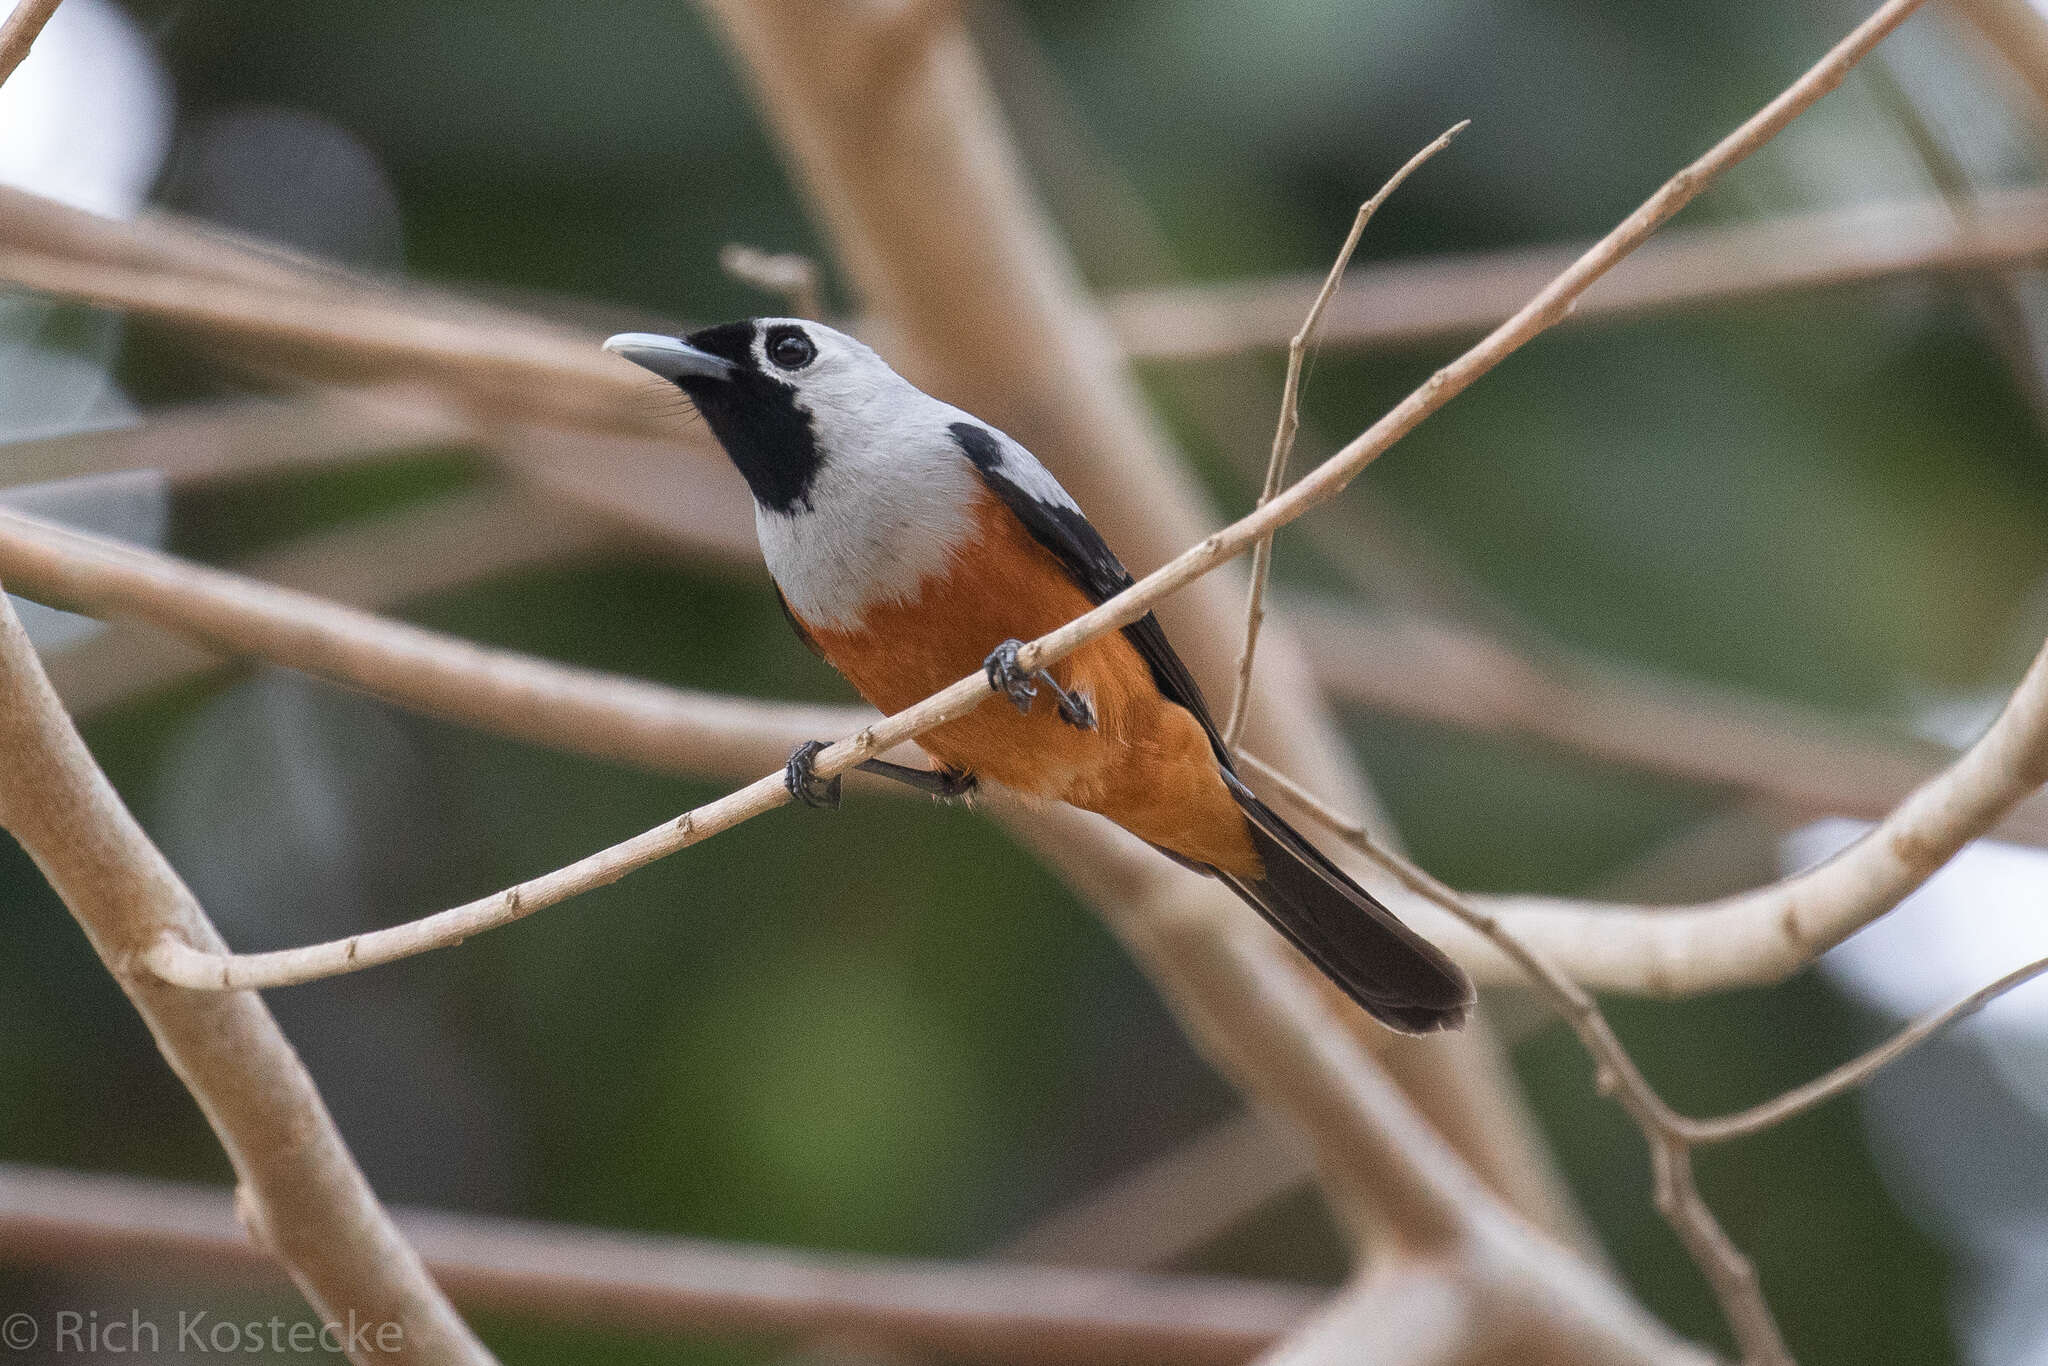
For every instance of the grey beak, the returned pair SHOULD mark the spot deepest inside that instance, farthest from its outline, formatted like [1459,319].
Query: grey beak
[669,357]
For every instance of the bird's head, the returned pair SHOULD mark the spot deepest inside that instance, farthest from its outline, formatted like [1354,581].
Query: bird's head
[785,396]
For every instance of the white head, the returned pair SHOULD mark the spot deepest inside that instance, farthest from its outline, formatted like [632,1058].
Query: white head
[861,492]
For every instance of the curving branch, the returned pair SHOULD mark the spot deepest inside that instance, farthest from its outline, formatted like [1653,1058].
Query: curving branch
[305,1196]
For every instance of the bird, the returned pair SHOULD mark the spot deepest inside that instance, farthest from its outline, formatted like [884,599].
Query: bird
[912,544]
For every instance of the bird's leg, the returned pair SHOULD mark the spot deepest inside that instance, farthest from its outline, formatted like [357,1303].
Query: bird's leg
[944,783]
[1009,678]
[800,776]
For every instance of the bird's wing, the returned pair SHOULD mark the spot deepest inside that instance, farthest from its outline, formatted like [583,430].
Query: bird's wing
[1055,521]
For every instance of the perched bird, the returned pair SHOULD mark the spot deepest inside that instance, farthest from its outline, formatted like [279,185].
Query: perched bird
[912,544]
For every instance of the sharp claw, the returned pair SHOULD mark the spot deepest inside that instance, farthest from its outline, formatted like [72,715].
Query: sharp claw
[1007,677]
[1076,712]
[800,776]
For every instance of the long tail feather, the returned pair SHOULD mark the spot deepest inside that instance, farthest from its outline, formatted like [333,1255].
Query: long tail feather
[1399,977]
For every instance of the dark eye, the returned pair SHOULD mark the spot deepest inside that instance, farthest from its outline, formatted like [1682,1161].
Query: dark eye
[791,349]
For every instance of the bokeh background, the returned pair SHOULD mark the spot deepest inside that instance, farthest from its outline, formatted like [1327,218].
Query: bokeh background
[889,1029]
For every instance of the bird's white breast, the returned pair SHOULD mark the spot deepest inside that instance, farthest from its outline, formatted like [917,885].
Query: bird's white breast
[890,506]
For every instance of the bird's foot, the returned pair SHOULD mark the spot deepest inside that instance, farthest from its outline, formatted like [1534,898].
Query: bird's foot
[1008,677]
[800,776]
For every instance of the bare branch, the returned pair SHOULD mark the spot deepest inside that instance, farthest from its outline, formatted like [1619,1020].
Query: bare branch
[18,34]
[1290,423]
[643,1283]
[313,1204]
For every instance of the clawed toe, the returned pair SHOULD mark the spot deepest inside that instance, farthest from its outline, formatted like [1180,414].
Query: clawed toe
[800,776]
[1008,677]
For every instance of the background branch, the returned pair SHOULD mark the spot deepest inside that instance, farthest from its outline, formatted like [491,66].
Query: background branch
[309,1201]
[640,1283]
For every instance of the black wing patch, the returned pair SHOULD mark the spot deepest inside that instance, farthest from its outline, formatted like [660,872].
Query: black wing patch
[1093,567]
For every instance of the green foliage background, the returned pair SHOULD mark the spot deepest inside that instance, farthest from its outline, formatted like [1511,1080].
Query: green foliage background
[889,1029]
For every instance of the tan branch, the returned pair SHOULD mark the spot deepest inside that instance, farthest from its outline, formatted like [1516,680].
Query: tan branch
[1290,423]
[18,34]
[316,1210]
[643,1283]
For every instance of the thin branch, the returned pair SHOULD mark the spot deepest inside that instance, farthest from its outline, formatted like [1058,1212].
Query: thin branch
[1855,1072]
[643,1283]
[18,34]
[791,276]
[1290,423]
[299,1182]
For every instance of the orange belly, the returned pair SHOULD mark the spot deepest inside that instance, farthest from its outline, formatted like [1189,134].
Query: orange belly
[1146,765]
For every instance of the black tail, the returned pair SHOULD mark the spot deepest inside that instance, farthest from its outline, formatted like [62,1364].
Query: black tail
[1400,978]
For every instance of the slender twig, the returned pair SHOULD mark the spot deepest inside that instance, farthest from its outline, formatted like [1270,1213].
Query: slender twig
[791,275]
[18,34]
[1290,423]
[643,1283]
[1856,1071]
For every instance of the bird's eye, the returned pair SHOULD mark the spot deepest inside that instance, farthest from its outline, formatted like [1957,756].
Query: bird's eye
[791,349]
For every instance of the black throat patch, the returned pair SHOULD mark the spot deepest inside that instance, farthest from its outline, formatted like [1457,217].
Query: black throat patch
[756,418]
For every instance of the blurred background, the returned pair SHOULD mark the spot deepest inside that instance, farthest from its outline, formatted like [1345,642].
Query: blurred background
[890,1030]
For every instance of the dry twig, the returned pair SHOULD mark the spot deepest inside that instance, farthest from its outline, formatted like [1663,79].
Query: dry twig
[1290,423]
